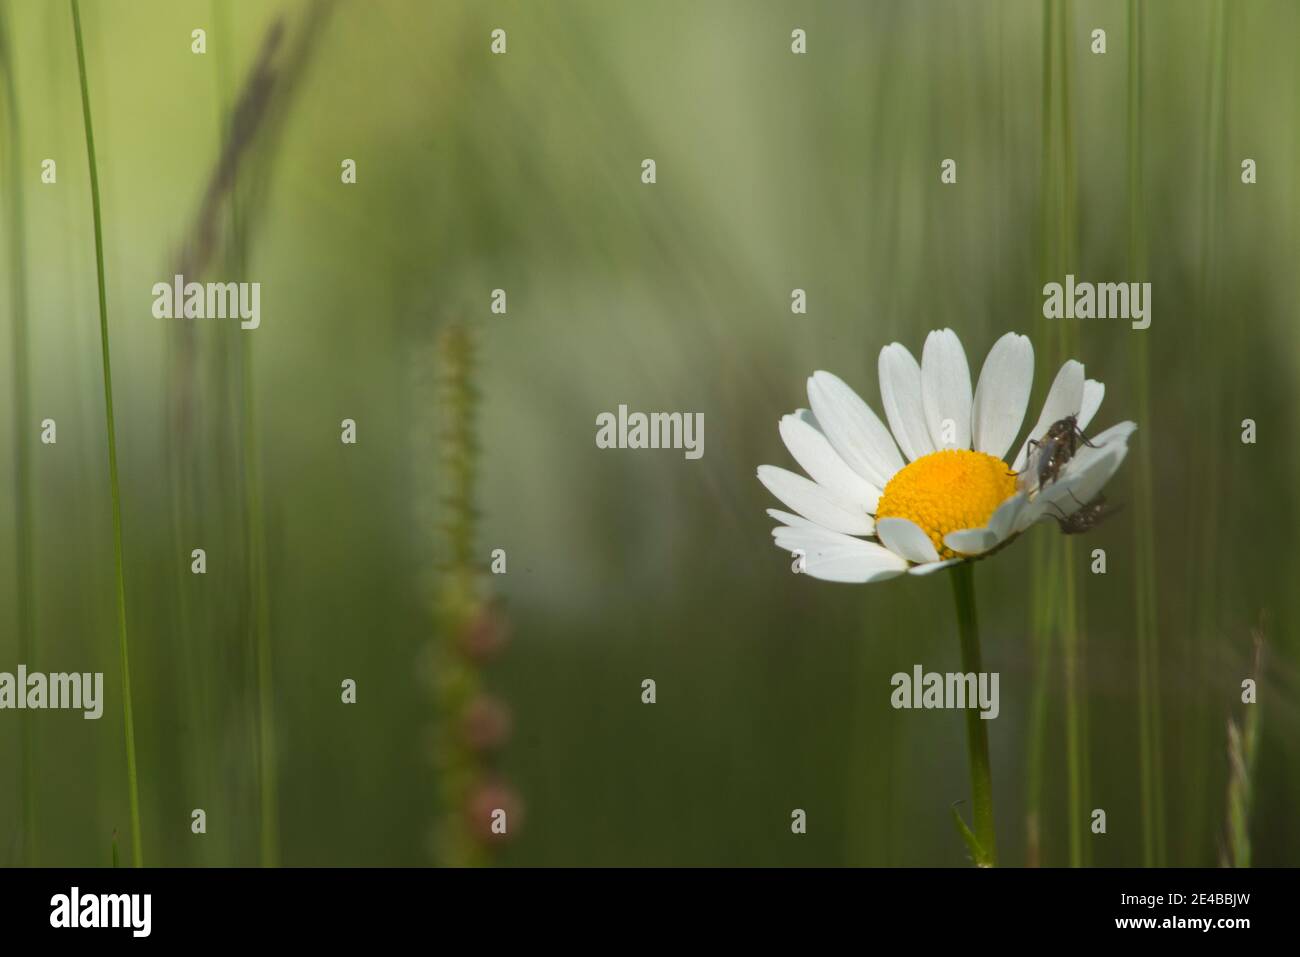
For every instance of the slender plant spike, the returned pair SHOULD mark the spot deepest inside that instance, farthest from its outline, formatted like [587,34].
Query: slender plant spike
[137,852]
[459,598]
[470,632]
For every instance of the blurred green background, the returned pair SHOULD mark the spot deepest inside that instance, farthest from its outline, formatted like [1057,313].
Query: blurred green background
[522,172]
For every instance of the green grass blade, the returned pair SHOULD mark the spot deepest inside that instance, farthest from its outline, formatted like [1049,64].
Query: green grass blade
[137,852]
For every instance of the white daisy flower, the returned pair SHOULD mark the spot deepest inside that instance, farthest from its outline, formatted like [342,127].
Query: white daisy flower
[934,488]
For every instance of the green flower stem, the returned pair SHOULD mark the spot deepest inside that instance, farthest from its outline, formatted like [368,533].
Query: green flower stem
[133,785]
[977,739]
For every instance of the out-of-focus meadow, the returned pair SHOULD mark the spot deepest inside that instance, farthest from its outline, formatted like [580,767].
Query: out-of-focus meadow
[522,172]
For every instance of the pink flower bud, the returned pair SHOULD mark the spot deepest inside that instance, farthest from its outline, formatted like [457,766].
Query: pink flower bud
[495,812]
[487,723]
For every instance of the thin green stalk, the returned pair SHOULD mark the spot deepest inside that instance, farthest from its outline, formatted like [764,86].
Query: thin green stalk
[1080,618]
[137,852]
[194,667]
[255,523]
[977,740]
[1043,614]
[1209,358]
[23,546]
[268,786]
[1042,560]
[1074,743]
[1150,777]
[1071,635]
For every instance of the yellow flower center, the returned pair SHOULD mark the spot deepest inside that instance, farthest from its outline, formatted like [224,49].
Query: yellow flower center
[947,491]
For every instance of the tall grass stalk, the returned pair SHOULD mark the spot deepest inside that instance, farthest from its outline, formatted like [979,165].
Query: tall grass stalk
[1074,735]
[133,785]
[219,233]
[268,785]
[1071,636]
[1059,256]
[1151,786]
[235,188]
[259,594]
[255,538]
[258,591]
[1042,615]
[1043,561]
[24,551]
[1209,355]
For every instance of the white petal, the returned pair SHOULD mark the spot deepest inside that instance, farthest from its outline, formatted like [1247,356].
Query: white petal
[1087,485]
[813,540]
[900,394]
[1064,398]
[850,569]
[945,390]
[904,537]
[834,557]
[814,453]
[853,429]
[1093,393]
[1117,433]
[971,541]
[1003,521]
[1035,510]
[794,521]
[854,568]
[1073,493]
[1002,394]
[814,502]
[930,568]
